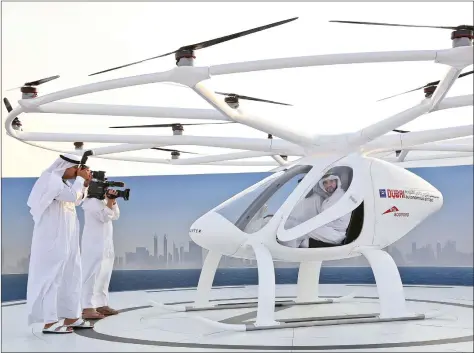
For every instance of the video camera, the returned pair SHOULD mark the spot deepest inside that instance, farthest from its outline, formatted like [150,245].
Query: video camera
[99,184]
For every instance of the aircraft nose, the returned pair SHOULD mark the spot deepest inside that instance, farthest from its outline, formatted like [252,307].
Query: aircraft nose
[215,233]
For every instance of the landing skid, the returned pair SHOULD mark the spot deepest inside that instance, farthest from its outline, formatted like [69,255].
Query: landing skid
[228,306]
[389,286]
[317,321]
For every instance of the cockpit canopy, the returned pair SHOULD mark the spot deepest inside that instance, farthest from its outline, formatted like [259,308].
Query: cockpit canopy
[251,210]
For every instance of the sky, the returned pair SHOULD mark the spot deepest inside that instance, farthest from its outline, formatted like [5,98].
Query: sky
[75,39]
[169,205]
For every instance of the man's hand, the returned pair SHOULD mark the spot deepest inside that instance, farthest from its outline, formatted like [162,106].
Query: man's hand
[88,181]
[111,201]
[84,173]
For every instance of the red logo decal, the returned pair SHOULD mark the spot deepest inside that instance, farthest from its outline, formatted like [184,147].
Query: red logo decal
[395,194]
[390,210]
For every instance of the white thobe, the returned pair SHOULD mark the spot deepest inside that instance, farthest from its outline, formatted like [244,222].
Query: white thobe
[333,232]
[54,275]
[97,253]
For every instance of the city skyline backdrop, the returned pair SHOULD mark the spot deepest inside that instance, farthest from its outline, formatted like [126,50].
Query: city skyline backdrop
[161,210]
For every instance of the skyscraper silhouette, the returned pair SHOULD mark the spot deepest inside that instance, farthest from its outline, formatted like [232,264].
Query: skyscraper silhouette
[155,246]
[165,249]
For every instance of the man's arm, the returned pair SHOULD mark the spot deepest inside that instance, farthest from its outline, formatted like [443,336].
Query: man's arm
[116,210]
[84,195]
[73,193]
[96,208]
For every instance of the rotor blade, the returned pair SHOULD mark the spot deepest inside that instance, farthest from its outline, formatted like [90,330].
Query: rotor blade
[43,80]
[206,44]
[251,98]
[398,25]
[170,150]
[399,94]
[168,125]
[136,62]
[12,89]
[215,41]
[437,82]
[434,83]
[7,104]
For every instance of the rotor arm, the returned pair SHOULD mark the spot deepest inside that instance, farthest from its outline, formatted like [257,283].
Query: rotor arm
[436,102]
[128,110]
[239,143]
[444,87]
[322,60]
[409,139]
[455,102]
[269,126]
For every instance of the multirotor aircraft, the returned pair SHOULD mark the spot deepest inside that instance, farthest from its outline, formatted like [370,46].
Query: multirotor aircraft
[385,200]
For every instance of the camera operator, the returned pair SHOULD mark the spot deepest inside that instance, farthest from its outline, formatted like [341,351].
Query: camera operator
[54,274]
[98,253]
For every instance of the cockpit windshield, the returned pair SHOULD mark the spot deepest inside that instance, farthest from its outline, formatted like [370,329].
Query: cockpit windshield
[254,207]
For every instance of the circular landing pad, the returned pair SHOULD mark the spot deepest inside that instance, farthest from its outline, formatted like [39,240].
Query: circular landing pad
[153,326]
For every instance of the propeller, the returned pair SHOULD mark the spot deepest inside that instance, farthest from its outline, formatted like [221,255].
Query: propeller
[461,27]
[36,83]
[7,104]
[238,96]
[16,123]
[431,84]
[175,125]
[205,44]
[171,150]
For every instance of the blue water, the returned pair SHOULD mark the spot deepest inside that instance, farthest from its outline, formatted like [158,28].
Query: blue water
[14,286]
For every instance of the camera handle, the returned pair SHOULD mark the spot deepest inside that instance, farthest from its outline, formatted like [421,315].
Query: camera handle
[85,156]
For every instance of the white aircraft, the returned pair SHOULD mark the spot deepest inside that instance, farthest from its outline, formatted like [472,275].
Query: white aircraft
[385,200]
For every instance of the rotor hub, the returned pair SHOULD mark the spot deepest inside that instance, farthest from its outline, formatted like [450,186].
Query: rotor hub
[16,124]
[463,33]
[78,145]
[232,101]
[29,92]
[462,37]
[429,91]
[177,129]
[185,57]
[175,155]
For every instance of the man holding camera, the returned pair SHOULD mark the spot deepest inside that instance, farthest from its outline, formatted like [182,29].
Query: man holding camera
[98,253]
[54,275]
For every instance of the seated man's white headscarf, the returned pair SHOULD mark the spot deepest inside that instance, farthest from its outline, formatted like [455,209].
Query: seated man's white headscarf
[50,184]
[330,177]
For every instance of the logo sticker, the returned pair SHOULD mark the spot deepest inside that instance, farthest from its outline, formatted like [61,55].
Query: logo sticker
[409,194]
[390,210]
[394,210]
[395,194]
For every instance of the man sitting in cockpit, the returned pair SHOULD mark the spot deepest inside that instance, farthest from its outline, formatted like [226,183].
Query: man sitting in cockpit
[334,232]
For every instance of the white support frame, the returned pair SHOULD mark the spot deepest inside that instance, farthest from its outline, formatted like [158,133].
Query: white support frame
[294,142]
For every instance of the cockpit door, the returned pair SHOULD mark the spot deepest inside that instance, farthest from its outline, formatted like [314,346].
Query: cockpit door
[306,209]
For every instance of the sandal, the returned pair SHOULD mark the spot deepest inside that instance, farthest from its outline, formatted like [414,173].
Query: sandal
[107,311]
[57,327]
[80,324]
[92,315]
